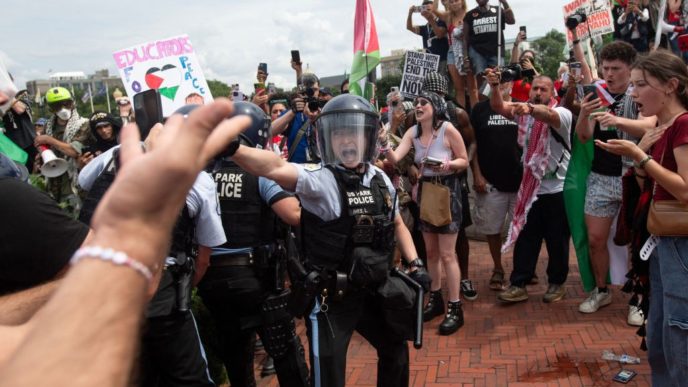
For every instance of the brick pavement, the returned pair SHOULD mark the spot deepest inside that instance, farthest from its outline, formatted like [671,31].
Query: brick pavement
[526,344]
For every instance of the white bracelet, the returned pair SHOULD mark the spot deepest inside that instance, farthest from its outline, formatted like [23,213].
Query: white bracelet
[116,257]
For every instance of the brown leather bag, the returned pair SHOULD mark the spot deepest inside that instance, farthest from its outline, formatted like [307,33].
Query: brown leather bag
[435,204]
[668,218]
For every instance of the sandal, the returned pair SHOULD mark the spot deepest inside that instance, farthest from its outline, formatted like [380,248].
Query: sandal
[497,280]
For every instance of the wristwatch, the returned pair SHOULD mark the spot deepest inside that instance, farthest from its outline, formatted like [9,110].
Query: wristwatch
[416,263]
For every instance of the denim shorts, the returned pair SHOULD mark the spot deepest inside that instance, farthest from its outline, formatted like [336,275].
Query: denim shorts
[603,196]
[479,61]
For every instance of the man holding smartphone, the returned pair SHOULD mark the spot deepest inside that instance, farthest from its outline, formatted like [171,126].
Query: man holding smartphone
[434,32]
[296,123]
[603,195]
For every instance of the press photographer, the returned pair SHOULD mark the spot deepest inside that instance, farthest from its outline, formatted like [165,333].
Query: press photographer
[296,123]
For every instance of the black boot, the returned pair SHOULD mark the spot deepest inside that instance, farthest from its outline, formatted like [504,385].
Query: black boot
[453,320]
[434,307]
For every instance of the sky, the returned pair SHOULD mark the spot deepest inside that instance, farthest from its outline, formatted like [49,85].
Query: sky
[230,37]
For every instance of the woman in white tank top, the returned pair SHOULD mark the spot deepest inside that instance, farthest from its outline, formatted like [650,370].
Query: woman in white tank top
[435,137]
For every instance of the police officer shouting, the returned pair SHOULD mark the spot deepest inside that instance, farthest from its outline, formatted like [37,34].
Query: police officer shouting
[349,221]
[244,288]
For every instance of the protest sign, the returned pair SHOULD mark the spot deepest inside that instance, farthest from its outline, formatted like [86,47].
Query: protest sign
[7,87]
[417,65]
[168,65]
[599,18]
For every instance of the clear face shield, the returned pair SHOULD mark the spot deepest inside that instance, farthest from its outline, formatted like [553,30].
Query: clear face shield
[347,138]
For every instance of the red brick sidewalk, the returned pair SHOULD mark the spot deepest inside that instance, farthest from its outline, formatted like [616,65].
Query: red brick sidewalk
[526,344]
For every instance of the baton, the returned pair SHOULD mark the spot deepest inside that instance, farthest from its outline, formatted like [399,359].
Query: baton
[418,334]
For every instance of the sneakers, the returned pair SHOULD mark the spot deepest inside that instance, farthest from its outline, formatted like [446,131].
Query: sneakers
[468,290]
[635,316]
[513,294]
[434,307]
[554,293]
[453,320]
[595,301]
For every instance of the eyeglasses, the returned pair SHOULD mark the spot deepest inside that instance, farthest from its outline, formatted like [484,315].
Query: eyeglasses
[422,102]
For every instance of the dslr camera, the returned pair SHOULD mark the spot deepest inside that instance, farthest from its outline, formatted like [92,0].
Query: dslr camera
[308,95]
[514,72]
[574,20]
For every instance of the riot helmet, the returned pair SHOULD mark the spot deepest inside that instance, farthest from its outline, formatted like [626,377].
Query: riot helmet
[257,134]
[346,131]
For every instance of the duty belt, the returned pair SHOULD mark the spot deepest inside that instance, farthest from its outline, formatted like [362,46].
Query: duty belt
[244,259]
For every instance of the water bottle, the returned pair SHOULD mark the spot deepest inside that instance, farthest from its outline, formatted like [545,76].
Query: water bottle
[624,358]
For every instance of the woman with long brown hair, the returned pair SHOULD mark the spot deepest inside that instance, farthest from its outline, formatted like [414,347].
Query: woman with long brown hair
[660,87]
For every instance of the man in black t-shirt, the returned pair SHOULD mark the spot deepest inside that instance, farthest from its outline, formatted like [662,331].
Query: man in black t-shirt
[480,24]
[603,191]
[37,239]
[434,33]
[497,175]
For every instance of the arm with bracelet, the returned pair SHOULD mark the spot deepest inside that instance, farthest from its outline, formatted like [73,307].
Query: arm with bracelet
[99,305]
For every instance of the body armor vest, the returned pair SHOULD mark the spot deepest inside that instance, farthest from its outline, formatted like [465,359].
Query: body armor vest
[365,221]
[100,185]
[248,221]
[182,233]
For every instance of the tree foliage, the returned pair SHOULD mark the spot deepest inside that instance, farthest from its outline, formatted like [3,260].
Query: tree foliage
[550,51]
[218,88]
[383,86]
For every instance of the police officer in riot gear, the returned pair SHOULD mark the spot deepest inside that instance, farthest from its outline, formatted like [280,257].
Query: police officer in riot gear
[244,285]
[349,223]
[171,351]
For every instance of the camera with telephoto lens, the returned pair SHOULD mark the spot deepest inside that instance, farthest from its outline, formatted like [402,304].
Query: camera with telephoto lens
[311,100]
[574,20]
[514,72]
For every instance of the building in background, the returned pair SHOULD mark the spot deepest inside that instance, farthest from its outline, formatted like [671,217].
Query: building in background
[100,81]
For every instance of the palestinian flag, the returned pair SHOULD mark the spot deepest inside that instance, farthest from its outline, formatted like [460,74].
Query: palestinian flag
[605,97]
[12,150]
[575,187]
[366,50]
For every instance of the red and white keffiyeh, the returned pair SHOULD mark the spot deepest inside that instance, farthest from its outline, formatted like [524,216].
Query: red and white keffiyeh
[535,162]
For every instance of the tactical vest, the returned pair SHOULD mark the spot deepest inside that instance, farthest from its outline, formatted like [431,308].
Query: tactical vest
[100,185]
[183,232]
[366,220]
[248,221]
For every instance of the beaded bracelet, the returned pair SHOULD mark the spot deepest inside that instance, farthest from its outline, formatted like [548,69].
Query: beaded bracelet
[109,255]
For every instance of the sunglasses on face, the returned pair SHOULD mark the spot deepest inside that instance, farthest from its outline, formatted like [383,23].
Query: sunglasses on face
[422,102]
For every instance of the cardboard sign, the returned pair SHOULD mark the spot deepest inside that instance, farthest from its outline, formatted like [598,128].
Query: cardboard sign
[599,22]
[168,65]
[417,65]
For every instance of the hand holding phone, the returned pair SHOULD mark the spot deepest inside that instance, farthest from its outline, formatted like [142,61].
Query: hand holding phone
[295,56]
[431,161]
[523,29]
[587,89]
